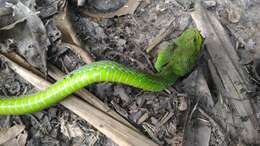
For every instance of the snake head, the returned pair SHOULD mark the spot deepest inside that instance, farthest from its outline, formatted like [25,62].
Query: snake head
[181,56]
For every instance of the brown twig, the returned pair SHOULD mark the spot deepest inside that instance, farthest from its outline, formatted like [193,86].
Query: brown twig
[69,36]
[164,33]
[64,24]
[79,51]
[21,61]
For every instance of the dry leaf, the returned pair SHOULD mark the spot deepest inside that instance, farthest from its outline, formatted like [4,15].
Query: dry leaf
[28,32]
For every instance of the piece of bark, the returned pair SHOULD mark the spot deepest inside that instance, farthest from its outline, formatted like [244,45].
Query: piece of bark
[197,131]
[195,84]
[232,81]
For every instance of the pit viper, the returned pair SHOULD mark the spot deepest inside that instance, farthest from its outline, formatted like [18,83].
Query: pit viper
[173,62]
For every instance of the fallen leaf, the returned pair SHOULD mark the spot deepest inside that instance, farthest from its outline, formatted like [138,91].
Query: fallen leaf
[28,31]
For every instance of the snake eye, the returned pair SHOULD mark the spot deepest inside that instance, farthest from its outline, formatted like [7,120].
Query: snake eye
[194,40]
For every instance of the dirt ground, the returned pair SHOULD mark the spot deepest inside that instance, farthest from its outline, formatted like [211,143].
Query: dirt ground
[161,116]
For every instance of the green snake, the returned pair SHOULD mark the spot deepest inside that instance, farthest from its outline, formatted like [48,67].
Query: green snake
[173,62]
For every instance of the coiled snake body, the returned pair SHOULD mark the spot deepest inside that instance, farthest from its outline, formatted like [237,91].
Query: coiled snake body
[172,62]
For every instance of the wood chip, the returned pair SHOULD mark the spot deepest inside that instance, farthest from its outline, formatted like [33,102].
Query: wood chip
[7,134]
[143,118]
[165,118]
[183,103]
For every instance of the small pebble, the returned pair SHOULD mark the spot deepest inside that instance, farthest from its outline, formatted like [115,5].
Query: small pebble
[154,121]
[209,4]
[81,2]
[183,103]
[234,14]
[251,44]
[121,42]
[107,5]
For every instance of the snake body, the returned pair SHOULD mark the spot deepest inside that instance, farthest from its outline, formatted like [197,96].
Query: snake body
[172,62]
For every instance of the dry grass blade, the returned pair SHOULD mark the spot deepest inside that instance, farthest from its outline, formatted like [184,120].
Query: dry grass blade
[118,132]
[113,129]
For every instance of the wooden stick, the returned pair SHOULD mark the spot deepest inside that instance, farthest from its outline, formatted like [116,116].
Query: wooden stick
[118,132]
[21,61]
[231,80]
